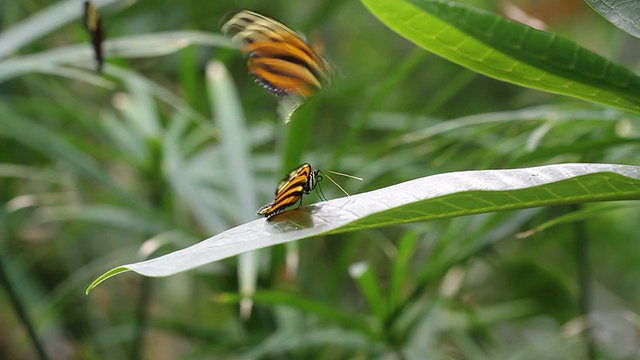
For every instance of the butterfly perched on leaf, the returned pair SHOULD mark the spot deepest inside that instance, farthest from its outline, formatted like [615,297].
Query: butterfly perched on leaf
[300,181]
[95,27]
[278,57]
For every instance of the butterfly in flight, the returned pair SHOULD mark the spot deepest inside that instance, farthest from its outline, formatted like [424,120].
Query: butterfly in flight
[278,57]
[95,27]
[300,181]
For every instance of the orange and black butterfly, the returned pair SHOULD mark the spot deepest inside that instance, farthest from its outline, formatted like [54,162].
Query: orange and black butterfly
[300,181]
[95,27]
[278,57]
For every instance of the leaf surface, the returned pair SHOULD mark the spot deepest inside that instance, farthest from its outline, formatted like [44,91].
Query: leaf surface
[625,14]
[433,197]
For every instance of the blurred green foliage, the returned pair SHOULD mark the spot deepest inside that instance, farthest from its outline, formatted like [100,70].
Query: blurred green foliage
[100,170]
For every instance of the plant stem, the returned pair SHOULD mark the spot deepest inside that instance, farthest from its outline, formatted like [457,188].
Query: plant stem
[584,277]
[141,319]
[21,311]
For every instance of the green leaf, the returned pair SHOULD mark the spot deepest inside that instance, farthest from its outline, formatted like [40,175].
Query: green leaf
[227,110]
[368,284]
[579,215]
[110,215]
[47,142]
[307,305]
[311,339]
[509,51]
[532,114]
[29,173]
[181,107]
[624,14]
[432,197]
[400,269]
[107,275]
[134,46]
[43,23]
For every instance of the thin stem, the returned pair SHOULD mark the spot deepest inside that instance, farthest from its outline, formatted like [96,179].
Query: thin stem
[141,319]
[21,312]
[584,283]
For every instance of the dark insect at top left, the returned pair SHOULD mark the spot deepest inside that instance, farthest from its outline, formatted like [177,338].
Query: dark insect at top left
[95,27]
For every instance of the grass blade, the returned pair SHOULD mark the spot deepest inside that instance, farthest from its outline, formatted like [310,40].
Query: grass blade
[43,23]
[235,143]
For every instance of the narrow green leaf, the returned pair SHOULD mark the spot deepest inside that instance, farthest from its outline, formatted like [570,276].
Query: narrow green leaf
[579,215]
[138,108]
[29,173]
[166,96]
[88,76]
[368,284]
[105,276]
[197,182]
[134,46]
[625,14]
[43,23]
[510,51]
[228,115]
[538,113]
[433,197]
[399,271]
[45,141]
[110,215]
[307,305]
[311,339]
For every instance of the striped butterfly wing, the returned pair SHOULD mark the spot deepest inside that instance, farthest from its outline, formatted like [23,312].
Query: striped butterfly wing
[284,69]
[289,191]
[247,26]
[95,27]
[279,58]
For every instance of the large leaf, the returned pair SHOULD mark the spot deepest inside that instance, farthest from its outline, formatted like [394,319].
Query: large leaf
[624,14]
[510,51]
[433,197]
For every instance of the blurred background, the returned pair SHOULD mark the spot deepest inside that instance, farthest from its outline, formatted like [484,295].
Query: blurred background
[102,170]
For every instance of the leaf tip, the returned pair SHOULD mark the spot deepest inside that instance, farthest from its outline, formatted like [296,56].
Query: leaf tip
[105,276]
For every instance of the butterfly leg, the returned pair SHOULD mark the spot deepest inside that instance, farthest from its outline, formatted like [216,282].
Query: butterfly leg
[300,203]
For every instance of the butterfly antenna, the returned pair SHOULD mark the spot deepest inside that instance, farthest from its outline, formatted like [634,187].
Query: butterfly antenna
[345,175]
[336,184]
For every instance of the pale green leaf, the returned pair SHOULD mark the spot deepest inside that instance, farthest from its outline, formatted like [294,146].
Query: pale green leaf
[433,197]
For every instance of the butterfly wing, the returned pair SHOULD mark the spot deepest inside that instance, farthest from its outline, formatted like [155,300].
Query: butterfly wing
[289,191]
[278,57]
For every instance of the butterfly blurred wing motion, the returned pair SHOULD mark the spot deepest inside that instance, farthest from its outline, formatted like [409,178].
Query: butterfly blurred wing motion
[279,58]
[301,180]
[95,27]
